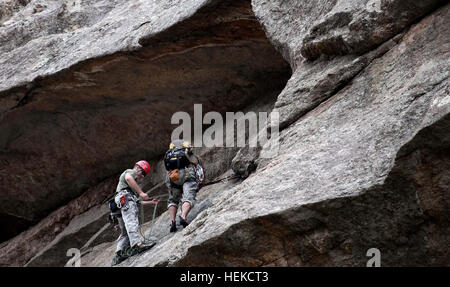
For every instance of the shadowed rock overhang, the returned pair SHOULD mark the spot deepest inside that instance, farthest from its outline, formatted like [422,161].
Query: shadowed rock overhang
[68,129]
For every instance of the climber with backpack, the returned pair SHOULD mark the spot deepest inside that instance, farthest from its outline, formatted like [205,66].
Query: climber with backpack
[128,196]
[184,178]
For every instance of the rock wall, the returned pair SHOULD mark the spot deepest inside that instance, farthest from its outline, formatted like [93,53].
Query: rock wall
[364,142]
[104,87]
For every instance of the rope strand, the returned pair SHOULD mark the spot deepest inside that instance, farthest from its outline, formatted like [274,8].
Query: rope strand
[146,239]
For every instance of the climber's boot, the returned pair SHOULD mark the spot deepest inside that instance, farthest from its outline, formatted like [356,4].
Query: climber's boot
[136,249]
[183,222]
[173,227]
[118,257]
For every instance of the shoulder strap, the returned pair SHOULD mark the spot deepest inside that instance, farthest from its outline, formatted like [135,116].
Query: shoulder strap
[197,159]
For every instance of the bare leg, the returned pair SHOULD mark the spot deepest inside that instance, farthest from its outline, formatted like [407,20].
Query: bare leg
[173,212]
[185,209]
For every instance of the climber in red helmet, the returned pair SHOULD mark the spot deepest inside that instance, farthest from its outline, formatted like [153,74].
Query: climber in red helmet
[127,197]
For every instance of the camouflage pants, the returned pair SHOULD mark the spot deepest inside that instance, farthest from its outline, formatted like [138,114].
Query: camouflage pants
[128,223]
[184,193]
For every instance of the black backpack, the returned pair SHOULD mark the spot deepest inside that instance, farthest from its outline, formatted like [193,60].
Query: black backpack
[177,158]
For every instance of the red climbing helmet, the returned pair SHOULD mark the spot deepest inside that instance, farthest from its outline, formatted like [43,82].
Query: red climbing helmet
[144,165]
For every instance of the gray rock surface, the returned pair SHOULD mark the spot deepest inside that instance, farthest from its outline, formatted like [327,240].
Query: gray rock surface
[90,228]
[82,226]
[341,183]
[354,27]
[62,33]
[101,80]
[364,119]
[308,29]
[23,247]
[158,231]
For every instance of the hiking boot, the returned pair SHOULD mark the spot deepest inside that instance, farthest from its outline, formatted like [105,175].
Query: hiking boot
[173,227]
[183,222]
[118,258]
[136,249]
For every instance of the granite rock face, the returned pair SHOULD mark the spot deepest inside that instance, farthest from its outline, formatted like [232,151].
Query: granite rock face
[363,167]
[85,226]
[308,29]
[354,27]
[22,248]
[88,88]
[364,146]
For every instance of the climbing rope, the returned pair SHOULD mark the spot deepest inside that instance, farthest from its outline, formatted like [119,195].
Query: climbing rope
[141,222]
[224,179]
[147,238]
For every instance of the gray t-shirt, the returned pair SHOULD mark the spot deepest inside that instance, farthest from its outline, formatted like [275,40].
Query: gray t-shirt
[123,183]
